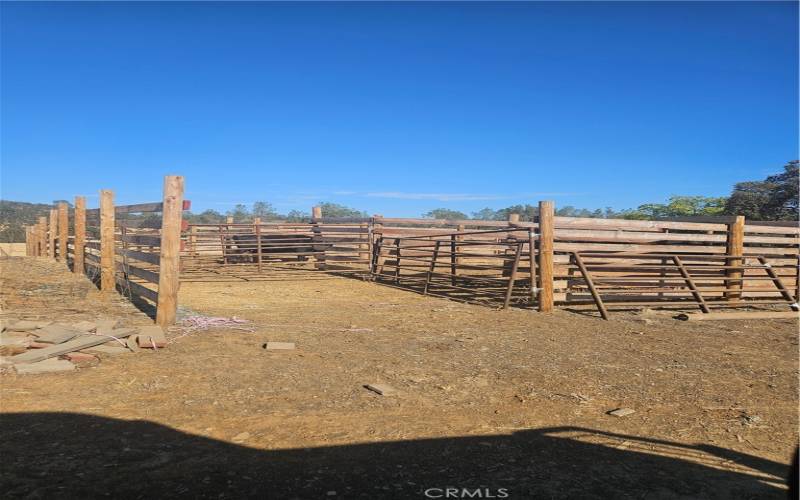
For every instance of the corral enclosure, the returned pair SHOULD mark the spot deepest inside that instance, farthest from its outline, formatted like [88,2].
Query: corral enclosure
[144,250]
[526,398]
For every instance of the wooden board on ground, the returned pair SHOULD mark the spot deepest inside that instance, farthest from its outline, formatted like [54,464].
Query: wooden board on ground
[82,342]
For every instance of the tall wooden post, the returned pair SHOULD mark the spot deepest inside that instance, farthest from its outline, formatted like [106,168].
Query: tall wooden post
[78,266]
[735,247]
[107,258]
[169,264]
[51,233]
[257,231]
[507,264]
[546,232]
[63,231]
[42,239]
[319,249]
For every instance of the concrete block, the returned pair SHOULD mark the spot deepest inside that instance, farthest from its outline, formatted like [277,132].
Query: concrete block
[108,350]
[279,346]
[56,333]
[105,325]
[79,357]
[84,326]
[51,365]
[150,336]
[26,325]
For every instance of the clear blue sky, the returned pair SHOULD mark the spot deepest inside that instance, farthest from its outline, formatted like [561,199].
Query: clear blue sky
[396,108]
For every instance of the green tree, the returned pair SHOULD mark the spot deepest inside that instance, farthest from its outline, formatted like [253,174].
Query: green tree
[298,216]
[485,214]
[679,206]
[265,210]
[526,212]
[445,213]
[774,198]
[335,210]
[240,214]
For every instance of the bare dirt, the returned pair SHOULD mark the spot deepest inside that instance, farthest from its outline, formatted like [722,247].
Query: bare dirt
[510,402]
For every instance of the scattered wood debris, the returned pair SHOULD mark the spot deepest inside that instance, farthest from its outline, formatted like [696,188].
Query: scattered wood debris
[622,412]
[30,347]
[382,389]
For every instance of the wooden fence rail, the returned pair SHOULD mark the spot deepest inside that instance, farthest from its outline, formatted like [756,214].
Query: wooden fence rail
[132,249]
[628,261]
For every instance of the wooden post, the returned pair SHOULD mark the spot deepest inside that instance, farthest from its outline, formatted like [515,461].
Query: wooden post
[78,265]
[507,264]
[257,228]
[193,240]
[319,250]
[735,248]
[363,248]
[28,244]
[42,239]
[453,259]
[376,243]
[63,231]
[51,234]
[107,257]
[546,214]
[169,265]
[459,260]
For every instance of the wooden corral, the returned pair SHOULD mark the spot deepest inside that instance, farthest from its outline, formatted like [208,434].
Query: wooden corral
[571,262]
[563,261]
[132,249]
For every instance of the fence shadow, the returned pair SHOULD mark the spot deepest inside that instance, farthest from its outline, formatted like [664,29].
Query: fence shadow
[68,455]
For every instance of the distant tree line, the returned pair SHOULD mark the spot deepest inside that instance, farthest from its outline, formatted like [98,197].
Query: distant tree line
[266,211]
[774,198]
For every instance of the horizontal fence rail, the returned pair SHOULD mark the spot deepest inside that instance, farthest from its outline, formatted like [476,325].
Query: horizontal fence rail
[133,249]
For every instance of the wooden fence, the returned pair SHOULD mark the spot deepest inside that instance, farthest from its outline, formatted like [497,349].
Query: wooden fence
[133,249]
[275,250]
[550,261]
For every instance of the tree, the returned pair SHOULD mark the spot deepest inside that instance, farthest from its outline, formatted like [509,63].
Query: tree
[265,211]
[485,214]
[335,210]
[526,212]
[298,216]
[240,214]
[205,217]
[445,213]
[774,198]
[679,206]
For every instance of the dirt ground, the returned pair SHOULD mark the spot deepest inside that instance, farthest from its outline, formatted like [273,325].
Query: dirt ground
[512,404]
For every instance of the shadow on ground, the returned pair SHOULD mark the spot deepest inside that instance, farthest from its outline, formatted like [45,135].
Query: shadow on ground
[67,455]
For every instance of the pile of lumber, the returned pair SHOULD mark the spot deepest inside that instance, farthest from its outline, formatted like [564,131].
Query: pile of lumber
[28,347]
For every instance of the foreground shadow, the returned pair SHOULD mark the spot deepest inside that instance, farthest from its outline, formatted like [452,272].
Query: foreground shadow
[66,455]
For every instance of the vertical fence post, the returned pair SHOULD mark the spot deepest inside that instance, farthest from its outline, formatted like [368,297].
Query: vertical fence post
[546,214]
[28,244]
[735,247]
[507,264]
[63,231]
[51,234]
[257,228]
[107,257]
[42,239]
[78,266]
[319,250]
[377,234]
[169,265]
[459,260]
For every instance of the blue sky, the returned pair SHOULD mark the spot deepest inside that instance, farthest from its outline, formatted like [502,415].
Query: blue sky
[396,108]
